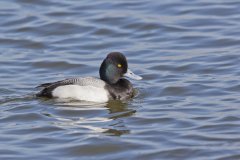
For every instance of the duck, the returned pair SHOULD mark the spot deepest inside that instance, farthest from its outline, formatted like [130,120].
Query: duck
[112,84]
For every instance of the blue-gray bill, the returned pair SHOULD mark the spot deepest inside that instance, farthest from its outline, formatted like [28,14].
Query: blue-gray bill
[131,75]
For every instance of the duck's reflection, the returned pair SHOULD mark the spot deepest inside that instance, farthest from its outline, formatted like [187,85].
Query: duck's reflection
[118,109]
[93,117]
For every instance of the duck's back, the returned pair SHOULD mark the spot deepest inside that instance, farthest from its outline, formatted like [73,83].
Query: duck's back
[87,89]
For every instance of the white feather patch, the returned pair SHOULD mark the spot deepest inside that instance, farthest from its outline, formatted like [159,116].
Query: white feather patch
[85,93]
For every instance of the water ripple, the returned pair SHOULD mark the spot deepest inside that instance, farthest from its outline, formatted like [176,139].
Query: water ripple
[187,105]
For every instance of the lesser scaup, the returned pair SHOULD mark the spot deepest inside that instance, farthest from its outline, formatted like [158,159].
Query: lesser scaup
[110,86]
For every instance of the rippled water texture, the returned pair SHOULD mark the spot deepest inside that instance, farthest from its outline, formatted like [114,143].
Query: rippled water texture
[186,51]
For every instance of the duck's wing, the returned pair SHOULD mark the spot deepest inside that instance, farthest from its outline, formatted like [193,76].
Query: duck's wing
[59,83]
[86,81]
[44,85]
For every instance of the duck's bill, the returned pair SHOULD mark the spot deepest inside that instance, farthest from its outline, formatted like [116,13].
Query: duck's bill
[130,74]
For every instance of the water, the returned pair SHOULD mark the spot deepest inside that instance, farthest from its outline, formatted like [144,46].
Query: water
[186,51]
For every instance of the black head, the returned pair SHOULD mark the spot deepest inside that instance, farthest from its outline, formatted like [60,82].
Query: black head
[113,67]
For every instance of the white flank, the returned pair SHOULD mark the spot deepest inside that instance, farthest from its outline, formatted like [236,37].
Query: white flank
[84,93]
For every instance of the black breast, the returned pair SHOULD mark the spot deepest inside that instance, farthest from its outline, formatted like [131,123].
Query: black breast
[122,90]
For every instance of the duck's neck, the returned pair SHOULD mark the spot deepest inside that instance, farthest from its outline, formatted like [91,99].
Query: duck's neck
[121,90]
[123,83]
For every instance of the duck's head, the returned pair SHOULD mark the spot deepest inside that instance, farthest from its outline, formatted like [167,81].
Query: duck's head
[115,66]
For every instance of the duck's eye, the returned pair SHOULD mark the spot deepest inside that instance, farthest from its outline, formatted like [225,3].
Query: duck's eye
[119,65]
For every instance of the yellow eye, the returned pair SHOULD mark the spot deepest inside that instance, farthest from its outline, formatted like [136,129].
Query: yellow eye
[119,65]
